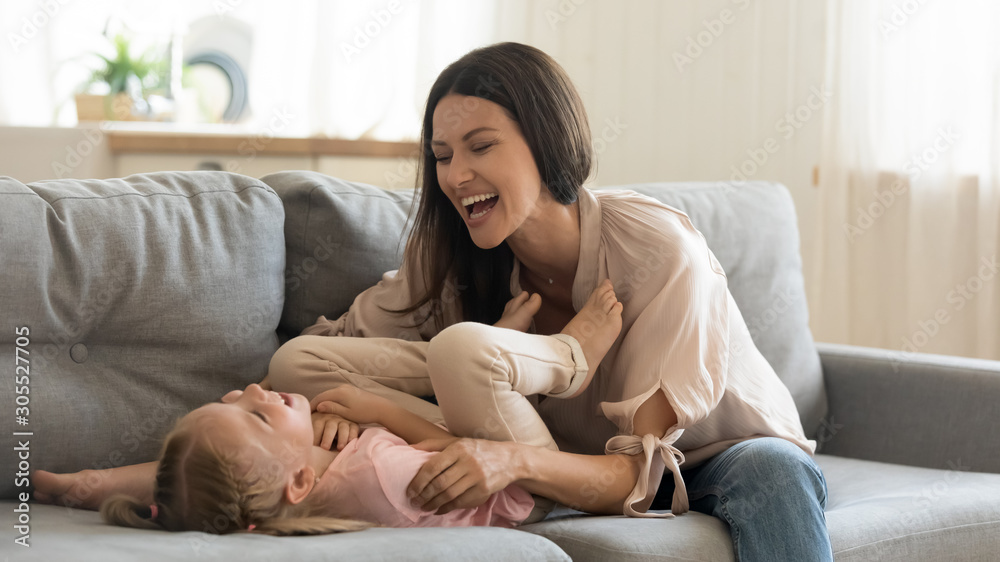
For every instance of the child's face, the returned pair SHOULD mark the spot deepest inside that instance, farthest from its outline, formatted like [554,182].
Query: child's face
[276,422]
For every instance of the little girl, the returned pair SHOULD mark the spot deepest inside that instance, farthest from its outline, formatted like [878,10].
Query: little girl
[249,464]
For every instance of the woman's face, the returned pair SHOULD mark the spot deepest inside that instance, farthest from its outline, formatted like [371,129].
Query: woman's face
[481,154]
[256,418]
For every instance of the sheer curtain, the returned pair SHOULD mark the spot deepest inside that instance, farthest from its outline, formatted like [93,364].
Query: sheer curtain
[910,178]
[345,69]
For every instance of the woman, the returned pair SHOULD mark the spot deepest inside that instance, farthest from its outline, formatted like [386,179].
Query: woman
[681,389]
[506,150]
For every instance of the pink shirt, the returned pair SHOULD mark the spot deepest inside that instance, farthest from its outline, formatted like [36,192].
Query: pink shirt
[368,480]
[682,332]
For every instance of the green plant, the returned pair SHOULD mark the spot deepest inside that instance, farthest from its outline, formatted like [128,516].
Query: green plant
[149,69]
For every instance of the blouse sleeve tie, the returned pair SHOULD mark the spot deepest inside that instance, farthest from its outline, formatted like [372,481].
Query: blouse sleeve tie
[645,487]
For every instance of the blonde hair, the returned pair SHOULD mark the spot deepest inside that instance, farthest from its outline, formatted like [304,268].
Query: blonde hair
[202,488]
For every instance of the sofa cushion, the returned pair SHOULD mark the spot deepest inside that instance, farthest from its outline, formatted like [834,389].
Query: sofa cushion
[875,511]
[58,533]
[333,254]
[145,297]
[341,237]
[891,512]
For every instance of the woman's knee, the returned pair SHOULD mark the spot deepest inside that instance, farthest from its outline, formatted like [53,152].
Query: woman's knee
[785,465]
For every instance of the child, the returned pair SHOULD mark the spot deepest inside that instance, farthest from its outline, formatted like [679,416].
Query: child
[250,465]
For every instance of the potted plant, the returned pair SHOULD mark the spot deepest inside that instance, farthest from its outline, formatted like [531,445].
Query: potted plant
[122,83]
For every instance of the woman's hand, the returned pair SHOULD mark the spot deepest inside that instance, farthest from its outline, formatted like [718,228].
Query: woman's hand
[330,429]
[464,474]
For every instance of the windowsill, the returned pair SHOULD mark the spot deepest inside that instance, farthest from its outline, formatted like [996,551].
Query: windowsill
[137,138]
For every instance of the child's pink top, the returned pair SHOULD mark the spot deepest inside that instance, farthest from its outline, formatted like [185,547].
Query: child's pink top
[368,481]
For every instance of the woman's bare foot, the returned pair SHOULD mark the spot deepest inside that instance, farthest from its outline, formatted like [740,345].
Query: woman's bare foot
[519,311]
[596,327]
[88,488]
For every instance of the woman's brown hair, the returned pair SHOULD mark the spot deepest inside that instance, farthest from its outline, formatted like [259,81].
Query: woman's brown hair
[202,488]
[538,95]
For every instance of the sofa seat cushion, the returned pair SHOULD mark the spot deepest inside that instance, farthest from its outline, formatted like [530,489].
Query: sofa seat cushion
[693,536]
[59,533]
[144,297]
[875,511]
[887,512]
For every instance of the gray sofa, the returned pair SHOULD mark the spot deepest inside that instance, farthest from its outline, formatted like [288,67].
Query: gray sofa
[147,296]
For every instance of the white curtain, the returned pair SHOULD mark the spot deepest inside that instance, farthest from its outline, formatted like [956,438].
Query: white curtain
[910,178]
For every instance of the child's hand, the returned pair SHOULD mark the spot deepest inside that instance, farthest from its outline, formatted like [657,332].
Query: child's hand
[519,311]
[351,403]
[330,429]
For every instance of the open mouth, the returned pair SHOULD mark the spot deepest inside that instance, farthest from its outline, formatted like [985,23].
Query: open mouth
[478,205]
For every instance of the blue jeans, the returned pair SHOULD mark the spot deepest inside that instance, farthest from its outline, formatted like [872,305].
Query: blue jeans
[769,492]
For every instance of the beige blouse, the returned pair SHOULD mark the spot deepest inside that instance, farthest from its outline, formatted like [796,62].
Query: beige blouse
[681,332]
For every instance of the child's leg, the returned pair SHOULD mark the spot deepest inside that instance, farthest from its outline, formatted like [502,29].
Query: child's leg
[393,368]
[483,373]
[88,488]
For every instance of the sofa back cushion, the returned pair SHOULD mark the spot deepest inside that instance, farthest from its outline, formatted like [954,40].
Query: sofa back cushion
[342,236]
[143,298]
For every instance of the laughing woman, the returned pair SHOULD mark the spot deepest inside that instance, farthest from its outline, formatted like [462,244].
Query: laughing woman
[677,402]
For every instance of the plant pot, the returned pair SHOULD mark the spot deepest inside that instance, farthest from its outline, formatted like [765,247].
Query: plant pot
[117,107]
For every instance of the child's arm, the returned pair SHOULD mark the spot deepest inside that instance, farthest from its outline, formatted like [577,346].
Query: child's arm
[361,406]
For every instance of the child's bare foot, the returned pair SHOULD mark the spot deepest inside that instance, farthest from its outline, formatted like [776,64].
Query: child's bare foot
[596,327]
[519,311]
[88,488]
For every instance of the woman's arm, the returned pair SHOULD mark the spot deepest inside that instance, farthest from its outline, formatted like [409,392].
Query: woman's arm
[364,407]
[468,471]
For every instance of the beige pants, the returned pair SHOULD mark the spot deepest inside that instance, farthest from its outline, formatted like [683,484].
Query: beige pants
[480,374]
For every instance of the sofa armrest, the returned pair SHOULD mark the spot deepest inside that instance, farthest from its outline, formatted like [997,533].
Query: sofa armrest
[917,409]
